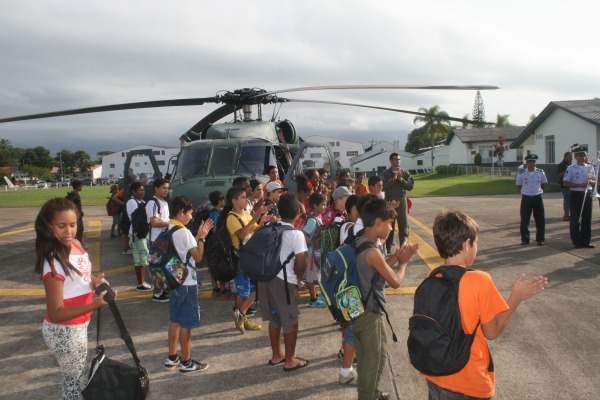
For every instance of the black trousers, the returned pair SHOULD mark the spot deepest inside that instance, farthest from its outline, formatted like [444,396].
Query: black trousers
[533,204]
[581,229]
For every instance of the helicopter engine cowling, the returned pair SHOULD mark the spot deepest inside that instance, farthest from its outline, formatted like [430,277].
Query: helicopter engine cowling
[289,132]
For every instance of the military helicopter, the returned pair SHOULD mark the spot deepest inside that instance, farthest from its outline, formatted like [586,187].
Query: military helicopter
[213,154]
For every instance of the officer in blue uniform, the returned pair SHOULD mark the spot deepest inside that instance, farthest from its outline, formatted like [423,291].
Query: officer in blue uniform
[531,182]
[580,178]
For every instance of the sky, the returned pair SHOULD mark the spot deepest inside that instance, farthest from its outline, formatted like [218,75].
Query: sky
[60,55]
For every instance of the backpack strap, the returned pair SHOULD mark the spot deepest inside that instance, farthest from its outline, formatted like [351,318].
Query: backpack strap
[365,246]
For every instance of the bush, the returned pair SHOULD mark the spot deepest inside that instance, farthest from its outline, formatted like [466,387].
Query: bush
[477,160]
[449,170]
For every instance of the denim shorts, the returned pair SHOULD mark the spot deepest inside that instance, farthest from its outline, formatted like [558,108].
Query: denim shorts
[244,286]
[183,306]
[349,336]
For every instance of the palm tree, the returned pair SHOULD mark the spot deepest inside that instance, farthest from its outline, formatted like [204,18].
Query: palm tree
[435,124]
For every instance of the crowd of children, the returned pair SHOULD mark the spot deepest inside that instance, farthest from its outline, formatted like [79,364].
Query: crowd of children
[361,214]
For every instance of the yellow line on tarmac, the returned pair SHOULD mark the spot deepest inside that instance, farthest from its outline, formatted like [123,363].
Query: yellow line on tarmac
[14,232]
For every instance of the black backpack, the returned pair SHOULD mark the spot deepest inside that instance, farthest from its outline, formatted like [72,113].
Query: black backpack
[437,344]
[139,219]
[164,264]
[220,255]
[200,215]
[259,257]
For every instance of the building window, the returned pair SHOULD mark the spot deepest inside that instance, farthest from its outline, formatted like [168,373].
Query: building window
[123,154]
[111,165]
[162,152]
[156,152]
[137,164]
[337,143]
[419,162]
[332,144]
[160,162]
[550,149]
[520,154]
[336,154]
[352,153]
[315,155]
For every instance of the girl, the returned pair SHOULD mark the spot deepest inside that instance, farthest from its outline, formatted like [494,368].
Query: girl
[257,191]
[65,269]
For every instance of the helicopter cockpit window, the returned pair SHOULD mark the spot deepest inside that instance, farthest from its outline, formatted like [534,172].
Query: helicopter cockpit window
[192,161]
[222,160]
[313,157]
[252,160]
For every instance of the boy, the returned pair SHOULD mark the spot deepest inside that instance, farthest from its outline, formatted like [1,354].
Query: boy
[241,225]
[340,195]
[217,200]
[369,329]
[184,312]
[359,187]
[274,191]
[376,186]
[318,203]
[139,247]
[157,213]
[455,236]
[274,306]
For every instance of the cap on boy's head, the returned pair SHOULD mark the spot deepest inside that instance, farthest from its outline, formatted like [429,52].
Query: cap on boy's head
[580,150]
[340,192]
[113,187]
[272,186]
[531,157]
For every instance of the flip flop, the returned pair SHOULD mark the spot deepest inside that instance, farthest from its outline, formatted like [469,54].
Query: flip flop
[300,364]
[277,363]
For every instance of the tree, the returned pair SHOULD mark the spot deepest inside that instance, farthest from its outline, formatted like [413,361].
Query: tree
[478,111]
[465,124]
[434,126]
[82,160]
[68,162]
[416,140]
[38,157]
[6,153]
[502,120]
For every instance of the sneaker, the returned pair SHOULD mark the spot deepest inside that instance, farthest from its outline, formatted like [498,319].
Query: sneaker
[144,287]
[127,251]
[192,366]
[351,379]
[163,298]
[250,325]
[251,312]
[238,319]
[318,303]
[170,364]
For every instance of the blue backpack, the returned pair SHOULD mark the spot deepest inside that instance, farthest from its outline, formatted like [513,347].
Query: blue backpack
[164,263]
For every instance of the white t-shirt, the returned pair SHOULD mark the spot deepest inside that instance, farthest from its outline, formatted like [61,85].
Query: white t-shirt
[291,241]
[152,210]
[77,289]
[184,241]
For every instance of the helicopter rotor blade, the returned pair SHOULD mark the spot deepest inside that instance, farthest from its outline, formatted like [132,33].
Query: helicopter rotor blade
[211,118]
[462,120]
[116,107]
[403,87]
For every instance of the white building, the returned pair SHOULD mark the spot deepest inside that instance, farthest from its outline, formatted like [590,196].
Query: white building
[464,144]
[561,126]
[377,158]
[343,150]
[114,164]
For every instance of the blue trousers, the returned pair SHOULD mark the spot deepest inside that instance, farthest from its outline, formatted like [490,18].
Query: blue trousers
[533,204]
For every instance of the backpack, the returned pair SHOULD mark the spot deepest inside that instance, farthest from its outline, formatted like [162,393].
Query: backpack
[220,256]
[71,196]
[112,207]
[338,275]
[260,256]
[139,219]
[164,263]
[437,344]
[324,239]
[200,215]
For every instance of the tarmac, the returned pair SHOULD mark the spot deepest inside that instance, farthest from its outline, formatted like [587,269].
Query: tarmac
[550,349]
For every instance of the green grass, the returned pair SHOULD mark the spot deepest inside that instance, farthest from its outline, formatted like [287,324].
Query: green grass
[429,185]
[426,185]
[90,196]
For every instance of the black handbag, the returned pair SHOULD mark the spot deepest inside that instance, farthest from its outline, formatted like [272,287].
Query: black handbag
[114,380]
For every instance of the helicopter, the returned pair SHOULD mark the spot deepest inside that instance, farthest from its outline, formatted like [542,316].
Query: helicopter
[214,153]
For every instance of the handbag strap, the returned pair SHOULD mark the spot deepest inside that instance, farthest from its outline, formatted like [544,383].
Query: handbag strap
[122,329]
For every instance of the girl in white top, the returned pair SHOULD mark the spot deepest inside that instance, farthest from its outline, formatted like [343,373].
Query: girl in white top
[66,271]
